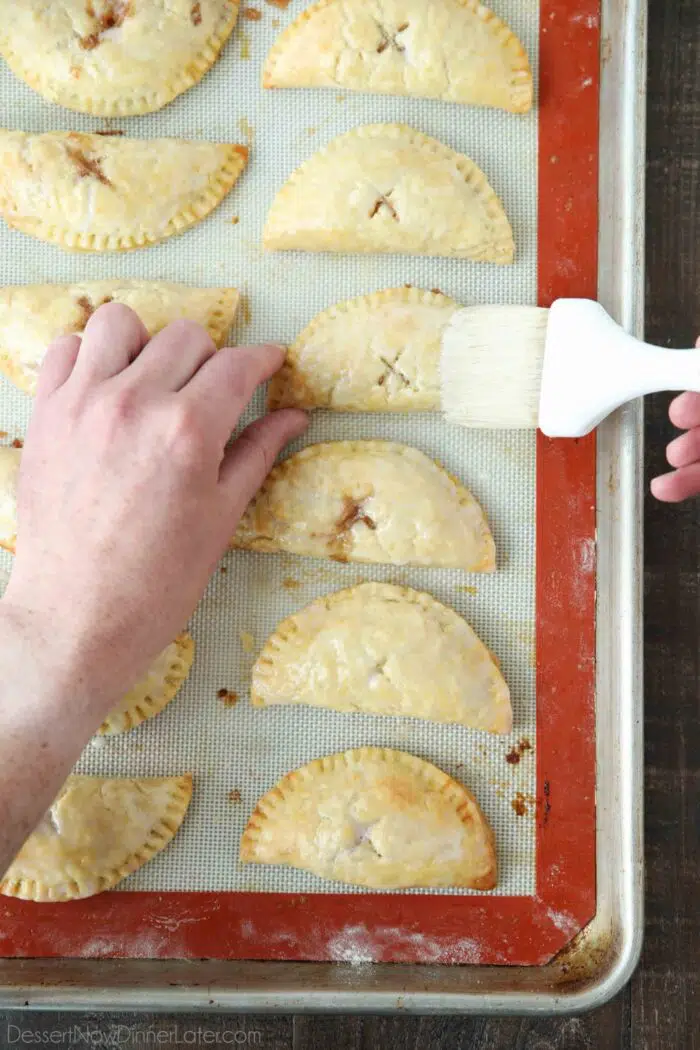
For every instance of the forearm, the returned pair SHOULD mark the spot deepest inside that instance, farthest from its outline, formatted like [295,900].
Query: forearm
[49,709]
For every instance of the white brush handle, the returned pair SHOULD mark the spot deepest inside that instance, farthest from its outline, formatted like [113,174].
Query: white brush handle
[592,367]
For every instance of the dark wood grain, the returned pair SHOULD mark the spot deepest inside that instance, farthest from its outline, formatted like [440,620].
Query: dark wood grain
[661,1008]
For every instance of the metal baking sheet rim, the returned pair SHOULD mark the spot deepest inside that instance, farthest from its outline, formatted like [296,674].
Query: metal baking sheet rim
[602,958]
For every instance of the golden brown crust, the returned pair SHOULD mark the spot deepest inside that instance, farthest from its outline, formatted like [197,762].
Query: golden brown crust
[98,193]
[153,693]
[374,817]
[384,650]
[97,832]
[368,501]
[389,188]
[453,50]
[377,353]
[113,58]
[32,316]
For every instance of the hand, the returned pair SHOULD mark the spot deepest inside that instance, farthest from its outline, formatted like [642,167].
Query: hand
[683,453]
[128,495]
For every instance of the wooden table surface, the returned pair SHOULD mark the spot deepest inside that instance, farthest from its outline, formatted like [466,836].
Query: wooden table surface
[660,1010]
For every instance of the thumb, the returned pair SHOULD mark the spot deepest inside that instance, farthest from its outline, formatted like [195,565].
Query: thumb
[249,460]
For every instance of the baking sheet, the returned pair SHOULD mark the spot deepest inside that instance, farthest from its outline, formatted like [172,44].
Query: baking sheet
[236,749]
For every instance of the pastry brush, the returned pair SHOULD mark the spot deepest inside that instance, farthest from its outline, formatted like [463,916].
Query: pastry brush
[563,370]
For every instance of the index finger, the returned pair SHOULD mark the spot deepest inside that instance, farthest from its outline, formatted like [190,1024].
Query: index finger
[225,384]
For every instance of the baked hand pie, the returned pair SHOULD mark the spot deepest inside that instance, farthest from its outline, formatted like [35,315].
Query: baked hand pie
[383,650]
[377,818]
[153,693]
[368,501]
[388,188]
[99,193]
[96,833]
[33,315]
[453,50]
[10,459]
[378,353]
[113,58]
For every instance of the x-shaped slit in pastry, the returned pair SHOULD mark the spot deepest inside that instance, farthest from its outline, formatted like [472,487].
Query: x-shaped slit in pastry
[392,369]
[352,513]
[384,201]
[391,39]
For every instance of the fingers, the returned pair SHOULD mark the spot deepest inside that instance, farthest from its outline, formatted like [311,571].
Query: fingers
[173,356]
[684,450]
[249,460]
[113,337]
[684,411]
[58,364]
[677,486]
[224,386]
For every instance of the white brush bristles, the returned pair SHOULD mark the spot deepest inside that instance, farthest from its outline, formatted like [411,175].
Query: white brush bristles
[491,366]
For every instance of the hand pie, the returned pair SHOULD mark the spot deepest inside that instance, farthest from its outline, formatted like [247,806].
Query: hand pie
[113,58]
[151,695]
[32,316]
[383,650]
[388,188]
[96,833]
[97,193]
[454,50]
[368,501]
[10,459]
[376,818]
[378,353]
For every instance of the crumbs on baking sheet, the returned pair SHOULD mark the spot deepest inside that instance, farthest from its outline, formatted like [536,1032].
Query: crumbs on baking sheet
[228,697]
[516,753]
[234,795]
[521,804]
[253,14]
[18,443]
[281,4]
[247,641]
[245,44]
[235,220]
[290,583]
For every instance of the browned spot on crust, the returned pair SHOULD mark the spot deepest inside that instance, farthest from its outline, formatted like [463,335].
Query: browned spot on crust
[87,309]
[352,513]
[228,697]
[436,291]
[88,167]
[234,796]
[196,14]
[383,201]
[252,14]
[114,15]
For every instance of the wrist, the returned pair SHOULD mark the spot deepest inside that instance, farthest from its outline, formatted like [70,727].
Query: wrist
[58,664]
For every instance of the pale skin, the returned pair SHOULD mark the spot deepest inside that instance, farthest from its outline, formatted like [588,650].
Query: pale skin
[128,496]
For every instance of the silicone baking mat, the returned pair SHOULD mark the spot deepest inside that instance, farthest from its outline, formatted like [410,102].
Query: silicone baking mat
[235,752]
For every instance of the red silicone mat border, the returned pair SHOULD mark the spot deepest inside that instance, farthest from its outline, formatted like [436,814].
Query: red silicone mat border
[478,929]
